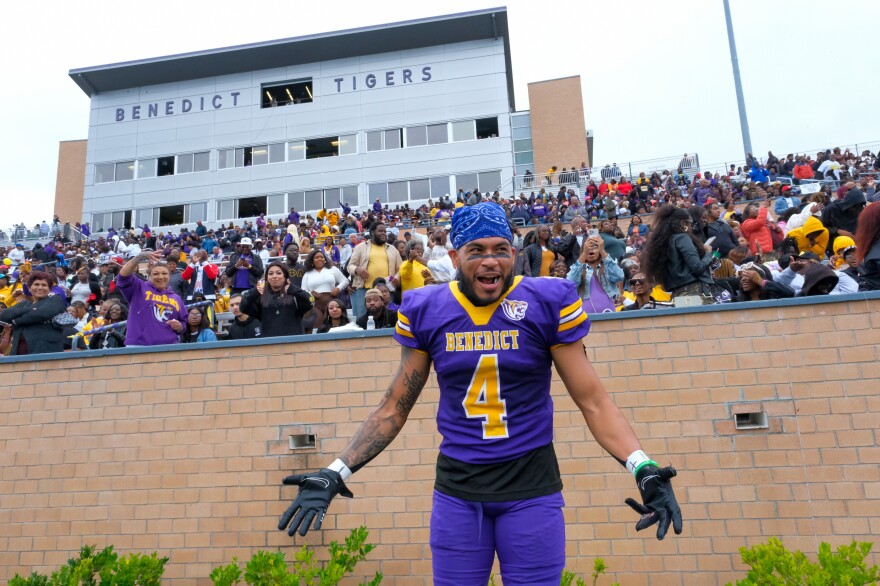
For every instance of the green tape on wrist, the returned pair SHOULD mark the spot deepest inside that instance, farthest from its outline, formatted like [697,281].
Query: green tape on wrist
[642,465]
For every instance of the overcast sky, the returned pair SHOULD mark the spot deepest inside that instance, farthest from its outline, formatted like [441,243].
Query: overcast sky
[656,76]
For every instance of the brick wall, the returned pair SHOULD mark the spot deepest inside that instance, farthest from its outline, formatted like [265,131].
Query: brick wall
[69,181]
[559,135]
[183,451]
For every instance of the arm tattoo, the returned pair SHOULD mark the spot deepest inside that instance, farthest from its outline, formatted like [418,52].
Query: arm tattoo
[383,425]
[414,382]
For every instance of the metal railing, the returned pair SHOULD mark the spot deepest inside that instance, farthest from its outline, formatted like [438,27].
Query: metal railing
[20,233]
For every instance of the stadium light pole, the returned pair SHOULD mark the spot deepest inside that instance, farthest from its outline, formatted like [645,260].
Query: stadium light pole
[737,82]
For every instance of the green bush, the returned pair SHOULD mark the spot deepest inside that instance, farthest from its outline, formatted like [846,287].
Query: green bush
[105,568]
[270,568]
[773,565]
[569,577]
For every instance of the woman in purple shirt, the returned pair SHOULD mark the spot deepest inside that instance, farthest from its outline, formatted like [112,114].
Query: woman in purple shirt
[156,313]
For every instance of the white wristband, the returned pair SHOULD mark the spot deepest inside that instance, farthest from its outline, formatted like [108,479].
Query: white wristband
[339,466]
[636,460]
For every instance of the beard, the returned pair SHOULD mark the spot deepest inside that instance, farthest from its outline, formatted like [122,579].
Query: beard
[467,289]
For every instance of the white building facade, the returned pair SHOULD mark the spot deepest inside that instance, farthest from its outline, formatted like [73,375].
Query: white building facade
[391,113]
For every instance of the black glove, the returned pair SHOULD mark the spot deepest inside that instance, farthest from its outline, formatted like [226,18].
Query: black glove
[659,501]
[316,490]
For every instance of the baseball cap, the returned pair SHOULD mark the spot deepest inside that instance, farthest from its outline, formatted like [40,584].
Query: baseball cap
[246,242]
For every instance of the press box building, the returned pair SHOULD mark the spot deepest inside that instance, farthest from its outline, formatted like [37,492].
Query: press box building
[400,112]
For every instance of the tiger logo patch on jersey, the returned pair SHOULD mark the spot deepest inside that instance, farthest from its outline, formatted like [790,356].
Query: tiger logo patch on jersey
[515,310]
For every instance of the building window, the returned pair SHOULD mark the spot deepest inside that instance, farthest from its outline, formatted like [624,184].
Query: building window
[146,168]
[314,200]
[489,181]
[109,172]
[148,216]
[331,146]
[485,181]
[192,162]
[226,158]
[317,199]
[196,212]
[411,190]
[467,182]
[287,93]
[439,186]
[276,152]
[420,189]
[521,133]
[394,139]
[398,191]
[438,133]
[374,140]
[378,140]
[104,172]
[103,221]
[296,151]
[523,145]
[275,204]
[260,154]
[226,209]
[526,158]
[347,144]
[165,166]
[520,120]
[463,130]
[184,163]
[171,215]
[350,195]
[487,127]
[125,171]
[416,136]
[201,162]
[249,207]
[378,191]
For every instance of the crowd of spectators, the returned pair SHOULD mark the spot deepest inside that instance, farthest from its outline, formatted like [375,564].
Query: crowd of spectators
[646,242]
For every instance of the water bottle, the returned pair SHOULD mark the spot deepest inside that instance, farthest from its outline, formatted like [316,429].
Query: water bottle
[371,323]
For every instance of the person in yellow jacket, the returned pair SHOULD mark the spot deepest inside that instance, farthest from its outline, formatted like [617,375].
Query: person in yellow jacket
[842,246]
[812,236]
[7,290]
[333,218]
[414,272]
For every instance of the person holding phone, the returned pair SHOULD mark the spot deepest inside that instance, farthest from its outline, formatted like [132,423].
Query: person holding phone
[244,268]
[676,258]
[596,275]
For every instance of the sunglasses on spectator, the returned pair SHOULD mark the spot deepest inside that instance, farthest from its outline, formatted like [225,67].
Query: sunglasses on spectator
[636,281]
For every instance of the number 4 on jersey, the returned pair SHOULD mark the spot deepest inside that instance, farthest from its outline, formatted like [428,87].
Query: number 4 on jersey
[483,399]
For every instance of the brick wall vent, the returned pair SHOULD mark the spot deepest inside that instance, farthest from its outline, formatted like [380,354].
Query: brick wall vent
[302,441]
[751,420]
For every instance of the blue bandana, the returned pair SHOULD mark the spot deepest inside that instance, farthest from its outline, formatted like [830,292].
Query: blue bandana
[484,220]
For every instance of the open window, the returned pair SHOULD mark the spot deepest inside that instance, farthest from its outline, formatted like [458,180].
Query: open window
[171,215]
[249,207]
[286,93]
[317,148]
[166,166]
[487,127]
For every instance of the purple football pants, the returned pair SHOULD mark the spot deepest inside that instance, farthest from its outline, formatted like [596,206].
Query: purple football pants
[529,536]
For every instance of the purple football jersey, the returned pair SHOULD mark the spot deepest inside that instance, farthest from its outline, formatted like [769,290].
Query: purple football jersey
[493,363]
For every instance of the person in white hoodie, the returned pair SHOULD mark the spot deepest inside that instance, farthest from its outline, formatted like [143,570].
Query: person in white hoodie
[799,219]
